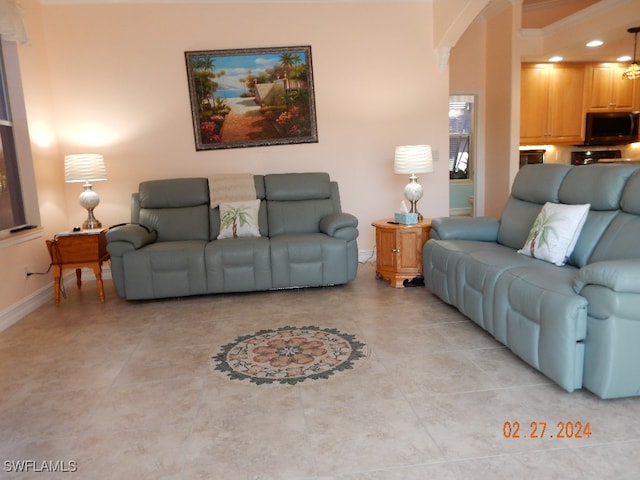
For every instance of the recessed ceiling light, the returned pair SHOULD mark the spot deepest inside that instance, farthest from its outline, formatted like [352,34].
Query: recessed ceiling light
[595,43]
[624,58]
[557,58]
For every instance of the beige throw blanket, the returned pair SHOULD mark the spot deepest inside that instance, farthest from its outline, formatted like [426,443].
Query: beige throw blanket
[231,187]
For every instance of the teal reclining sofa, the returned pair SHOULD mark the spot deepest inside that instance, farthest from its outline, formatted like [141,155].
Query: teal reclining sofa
[579,324]
[171,247]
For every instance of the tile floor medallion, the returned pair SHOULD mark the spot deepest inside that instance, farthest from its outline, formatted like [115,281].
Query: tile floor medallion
[289,355]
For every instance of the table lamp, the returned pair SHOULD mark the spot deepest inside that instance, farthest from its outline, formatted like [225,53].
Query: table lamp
[86,168]
[412,159]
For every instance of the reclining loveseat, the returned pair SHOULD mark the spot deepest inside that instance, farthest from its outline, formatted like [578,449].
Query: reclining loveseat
[575,318]
[292,234]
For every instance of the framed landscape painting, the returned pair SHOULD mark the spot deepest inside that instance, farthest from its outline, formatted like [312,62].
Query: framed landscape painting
[251,97]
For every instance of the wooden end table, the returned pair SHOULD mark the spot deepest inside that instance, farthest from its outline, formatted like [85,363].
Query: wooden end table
[84,248]
[399,250]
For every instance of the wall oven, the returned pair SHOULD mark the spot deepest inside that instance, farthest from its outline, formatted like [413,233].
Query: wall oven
[528,157]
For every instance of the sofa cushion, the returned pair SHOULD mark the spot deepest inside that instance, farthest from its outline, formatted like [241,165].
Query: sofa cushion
[239,219]
[174,193]
[442,256]
[592,230]
[539,183]
[309,259]
[533,186]
[620,240]
[172,224]
[515,222]
[555,232]
[476,275]
[599,185]
[545,320]
[178,209]
[238,265]
[297,217]
[297,186]
[630,201]
[166,269]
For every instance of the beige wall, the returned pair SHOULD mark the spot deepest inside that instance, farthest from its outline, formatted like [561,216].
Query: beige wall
[119,77]
[486,62]
[502,130]
[111,78]
[48,171]
[468,75]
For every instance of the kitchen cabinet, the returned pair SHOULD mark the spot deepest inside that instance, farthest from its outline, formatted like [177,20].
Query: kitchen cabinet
[551,104]
[606,90]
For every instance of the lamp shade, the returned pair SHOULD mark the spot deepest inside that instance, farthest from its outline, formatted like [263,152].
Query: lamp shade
[410,159]
[633,72]
[84,167]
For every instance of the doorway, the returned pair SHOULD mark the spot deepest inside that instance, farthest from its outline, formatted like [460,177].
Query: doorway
[461,155]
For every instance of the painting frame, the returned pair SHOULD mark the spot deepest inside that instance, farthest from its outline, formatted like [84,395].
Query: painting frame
[251,97]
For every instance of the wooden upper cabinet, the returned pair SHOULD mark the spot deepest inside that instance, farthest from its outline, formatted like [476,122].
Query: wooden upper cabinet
[566,91]
[534,103]
[551,103]
[606,90]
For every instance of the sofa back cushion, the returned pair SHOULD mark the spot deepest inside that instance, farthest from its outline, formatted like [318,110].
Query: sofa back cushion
[620,239]
[214,213]
[533,186]
[630,201]
[600,185]
[178,209]
[297,201]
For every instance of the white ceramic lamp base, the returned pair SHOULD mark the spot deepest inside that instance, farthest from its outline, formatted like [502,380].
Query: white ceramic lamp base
[90,200]
[413,192]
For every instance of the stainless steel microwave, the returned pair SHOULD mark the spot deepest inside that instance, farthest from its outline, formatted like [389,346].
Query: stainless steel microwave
[611,128]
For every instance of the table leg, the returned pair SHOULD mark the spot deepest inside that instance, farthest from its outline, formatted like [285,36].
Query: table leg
[57,273]
[79,277]
[97,270]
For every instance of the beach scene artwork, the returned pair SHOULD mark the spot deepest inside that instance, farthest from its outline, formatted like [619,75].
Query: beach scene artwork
[251,97]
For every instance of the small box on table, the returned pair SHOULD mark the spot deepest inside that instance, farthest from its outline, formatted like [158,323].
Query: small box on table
[406,218]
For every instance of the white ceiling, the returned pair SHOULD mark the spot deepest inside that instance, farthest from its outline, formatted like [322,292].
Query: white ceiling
[566,35]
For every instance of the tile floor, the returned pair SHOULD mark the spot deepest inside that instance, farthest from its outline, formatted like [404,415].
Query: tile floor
[124,390]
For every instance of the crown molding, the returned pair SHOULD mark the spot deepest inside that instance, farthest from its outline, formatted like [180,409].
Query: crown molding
[116,2]
[588,13]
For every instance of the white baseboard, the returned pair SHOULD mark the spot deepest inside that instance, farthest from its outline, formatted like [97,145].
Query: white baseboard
[40,297]
[365,256]
[25,306]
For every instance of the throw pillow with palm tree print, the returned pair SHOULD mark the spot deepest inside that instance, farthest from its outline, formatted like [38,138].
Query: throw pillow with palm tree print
[555,232]
[239,219]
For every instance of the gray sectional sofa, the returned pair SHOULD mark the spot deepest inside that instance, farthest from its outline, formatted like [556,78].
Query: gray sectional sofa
[171,247]
[579,324]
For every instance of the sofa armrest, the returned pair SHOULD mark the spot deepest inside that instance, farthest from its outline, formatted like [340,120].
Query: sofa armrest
[465,228]
[130,237]
[340,225]
[618,275]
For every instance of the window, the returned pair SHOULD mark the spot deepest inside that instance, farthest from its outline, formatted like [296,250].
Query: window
[18,198]
[11,208]
[460,131]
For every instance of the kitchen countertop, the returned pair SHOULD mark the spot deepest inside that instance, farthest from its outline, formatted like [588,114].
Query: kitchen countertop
[618,160]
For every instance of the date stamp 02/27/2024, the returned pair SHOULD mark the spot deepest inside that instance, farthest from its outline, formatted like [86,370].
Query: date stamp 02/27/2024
[540,429]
